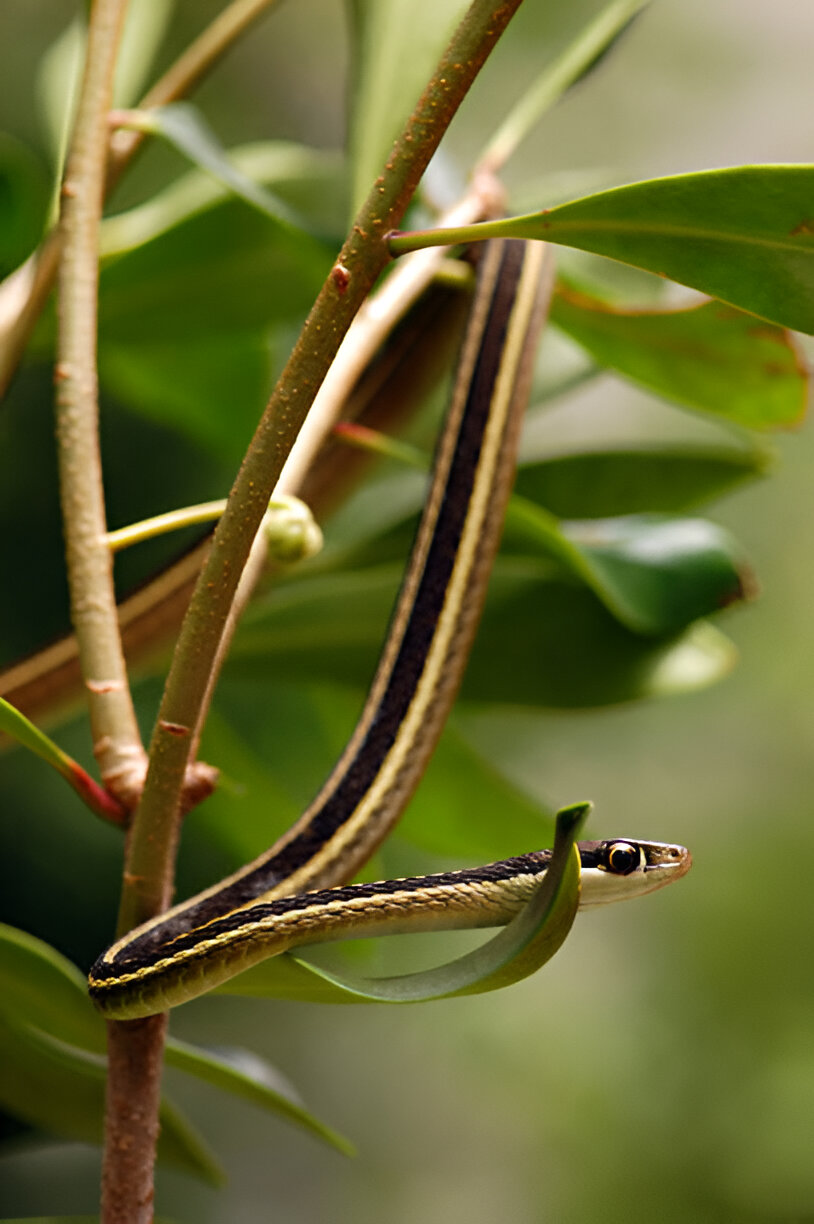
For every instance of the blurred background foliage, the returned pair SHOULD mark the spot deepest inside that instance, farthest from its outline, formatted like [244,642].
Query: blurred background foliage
[662,1066]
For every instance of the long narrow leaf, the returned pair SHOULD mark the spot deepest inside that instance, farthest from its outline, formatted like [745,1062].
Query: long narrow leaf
[744,235]
[44,999]
[574,63]
[182,126]
[520,949]
[61,1089]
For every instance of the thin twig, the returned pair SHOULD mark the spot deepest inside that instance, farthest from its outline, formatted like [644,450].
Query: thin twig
[116,739]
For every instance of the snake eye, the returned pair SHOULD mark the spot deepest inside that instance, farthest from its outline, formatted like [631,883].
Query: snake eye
[622,858]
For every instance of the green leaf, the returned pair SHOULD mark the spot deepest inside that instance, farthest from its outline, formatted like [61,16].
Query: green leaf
[453,813]
[711,357]
[655,573]
[41,988]
[309,181]
[547,642]
[61,1089]
[743,234]
[395,45]
[182,126]
[145,25]
[658,573]
[543,641]
[667,478]
[520,949]
[23,202]
[18,727]
[225,269]
[246,1075]
[211,389]
[44,1000]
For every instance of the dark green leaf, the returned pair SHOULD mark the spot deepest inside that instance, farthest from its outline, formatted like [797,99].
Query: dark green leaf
[23,202]
[711,357]
[520,949]
[551,643]
[465,808]
[225,269]
[543,641]
[41,988]
[45,1001]
[211,389]
[658,574]
[667,478]
[655,573]
[61,1089]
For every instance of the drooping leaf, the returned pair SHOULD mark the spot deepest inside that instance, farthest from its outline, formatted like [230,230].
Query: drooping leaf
[712,358]
[40,987]
[666,478]
[744,235]
[246,1075]
[46,1004]
[182,125]
[61,1088]
[655,573]
[308,181]
[520,949]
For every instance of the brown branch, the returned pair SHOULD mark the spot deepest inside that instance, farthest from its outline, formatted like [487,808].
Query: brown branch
[135,1050]
[116,739]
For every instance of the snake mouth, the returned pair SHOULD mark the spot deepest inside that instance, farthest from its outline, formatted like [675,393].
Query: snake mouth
[676,860]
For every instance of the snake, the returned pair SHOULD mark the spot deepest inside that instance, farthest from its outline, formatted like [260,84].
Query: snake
[297,892]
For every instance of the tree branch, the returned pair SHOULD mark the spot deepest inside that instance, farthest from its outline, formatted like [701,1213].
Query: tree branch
[116,740]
